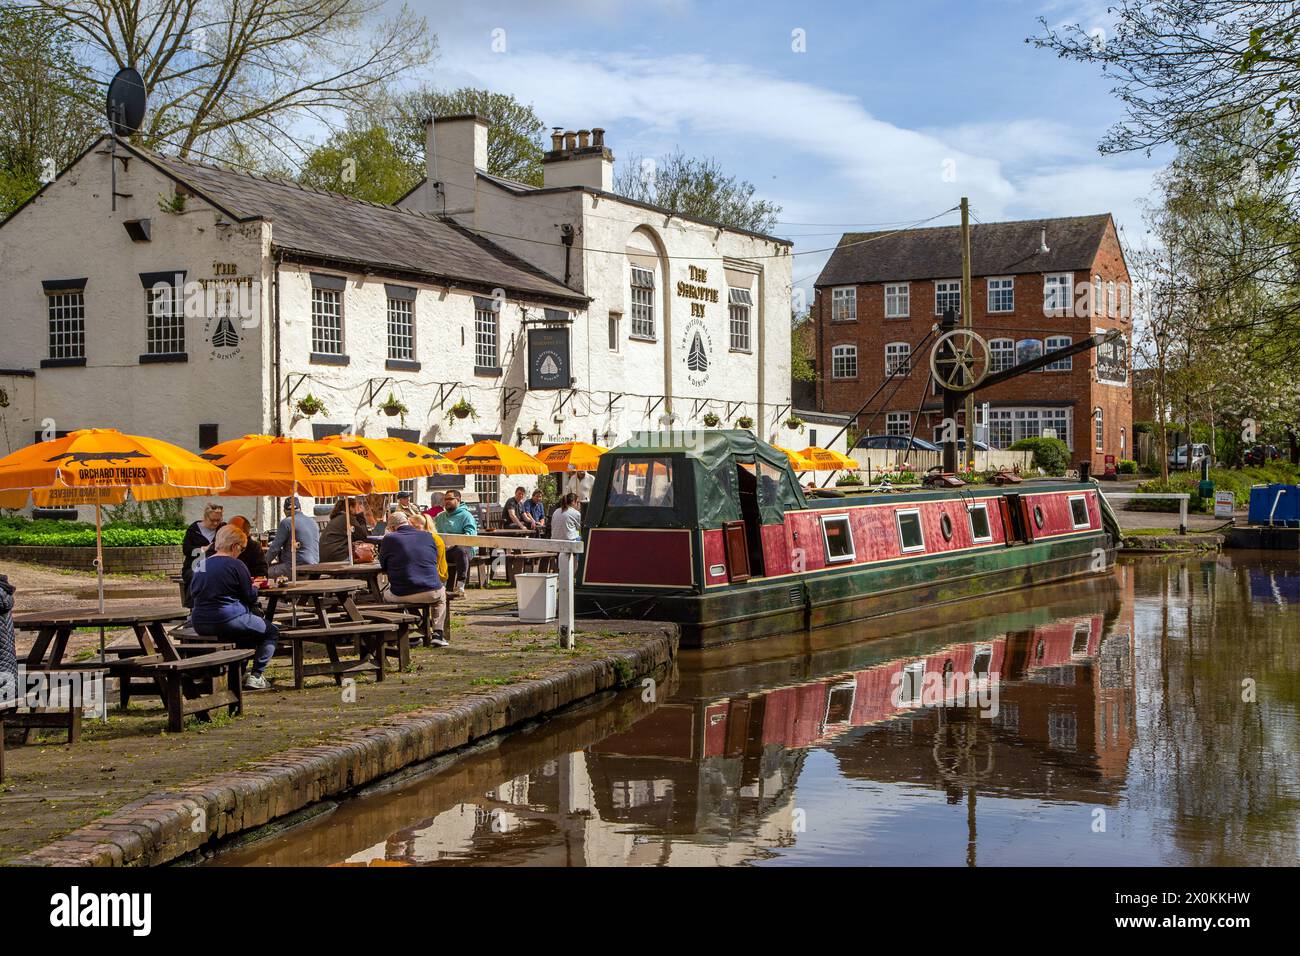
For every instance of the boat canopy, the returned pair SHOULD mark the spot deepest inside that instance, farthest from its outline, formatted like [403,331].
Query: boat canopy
[690,479]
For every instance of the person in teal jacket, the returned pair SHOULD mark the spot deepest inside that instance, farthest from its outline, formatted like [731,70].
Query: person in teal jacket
[456,519]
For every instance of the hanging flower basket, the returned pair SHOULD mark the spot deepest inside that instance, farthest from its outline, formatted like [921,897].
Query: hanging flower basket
[744,421]
[711,420]
[794,423]
[462,410]
[392,407]
[309,406]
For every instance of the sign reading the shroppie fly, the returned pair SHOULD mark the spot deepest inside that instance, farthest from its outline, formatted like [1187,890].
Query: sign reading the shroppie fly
[548,358]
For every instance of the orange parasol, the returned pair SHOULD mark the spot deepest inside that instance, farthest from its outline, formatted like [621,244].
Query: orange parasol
[403,458]
[824,459]
[489,457]
[571,456]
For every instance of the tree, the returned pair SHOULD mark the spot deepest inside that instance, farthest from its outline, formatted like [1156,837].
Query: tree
[44,124]
[1181,67]
[514,131]
[802,338]
[225,72]
[695,187]
[362,163]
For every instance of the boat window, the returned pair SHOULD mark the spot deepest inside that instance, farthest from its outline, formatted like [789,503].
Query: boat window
[945,526]
[769,486]
[1082,633]
[641,483]
[983,660]
[909,530]
[1038,517]
[909,687]
[1079,511]
[979,523]
[838,535]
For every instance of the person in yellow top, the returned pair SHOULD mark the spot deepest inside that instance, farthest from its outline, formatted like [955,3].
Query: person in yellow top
[425,523]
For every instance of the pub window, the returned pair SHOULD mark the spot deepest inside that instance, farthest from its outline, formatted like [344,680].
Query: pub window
[164,313]
[643,303]
[615,320]
[488,488]
[739,303]
[1079,511]
[486,317]
[838,537]
[844,361]
[327,320]
[67,318]
[844,305]
[909,530]
[898,423]
[979,523]
[401,324]
[897,300]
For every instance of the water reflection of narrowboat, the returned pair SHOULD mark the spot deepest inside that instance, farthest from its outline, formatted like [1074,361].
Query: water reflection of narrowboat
[711,530]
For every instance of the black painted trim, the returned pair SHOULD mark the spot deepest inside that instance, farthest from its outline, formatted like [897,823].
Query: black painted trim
[63,285]
[63,363]
[323,358]
[163,358]
[401,365]
[19,372]
[493,371]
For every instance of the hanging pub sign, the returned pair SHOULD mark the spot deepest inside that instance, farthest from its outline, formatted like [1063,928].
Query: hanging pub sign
[548,358]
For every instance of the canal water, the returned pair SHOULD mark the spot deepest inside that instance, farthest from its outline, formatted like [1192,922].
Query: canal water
[1144,718]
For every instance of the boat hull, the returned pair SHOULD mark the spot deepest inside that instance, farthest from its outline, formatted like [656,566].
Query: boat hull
[763,607]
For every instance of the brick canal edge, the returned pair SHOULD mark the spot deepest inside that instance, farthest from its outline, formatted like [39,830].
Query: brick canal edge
[173,823]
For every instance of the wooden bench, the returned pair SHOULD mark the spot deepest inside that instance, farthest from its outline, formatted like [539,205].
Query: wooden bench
[367,637]
[63,716]
[131,683]
[528,561]
[481,564]
[189,685]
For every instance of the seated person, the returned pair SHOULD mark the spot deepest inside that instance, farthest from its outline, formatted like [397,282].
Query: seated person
[253,556]
[198,538]
[305,533]
[416,564]
[334,539]
[535,509]
[225,604]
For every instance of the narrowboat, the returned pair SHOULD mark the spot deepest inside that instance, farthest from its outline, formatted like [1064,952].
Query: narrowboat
[711,530]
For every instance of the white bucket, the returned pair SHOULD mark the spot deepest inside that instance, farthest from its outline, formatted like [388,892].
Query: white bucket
[537,597]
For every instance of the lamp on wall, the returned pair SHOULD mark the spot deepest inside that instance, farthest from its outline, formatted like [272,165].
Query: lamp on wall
[534,435]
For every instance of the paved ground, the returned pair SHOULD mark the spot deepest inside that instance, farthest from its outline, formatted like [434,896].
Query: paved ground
[51,788]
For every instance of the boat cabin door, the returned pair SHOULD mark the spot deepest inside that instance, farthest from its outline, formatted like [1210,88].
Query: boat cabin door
[1015,527]
[744,537]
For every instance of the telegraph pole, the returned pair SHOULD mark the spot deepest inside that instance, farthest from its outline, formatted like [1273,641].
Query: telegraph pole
[969,457]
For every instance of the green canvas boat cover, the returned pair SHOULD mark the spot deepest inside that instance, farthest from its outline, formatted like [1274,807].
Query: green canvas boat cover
[710,458]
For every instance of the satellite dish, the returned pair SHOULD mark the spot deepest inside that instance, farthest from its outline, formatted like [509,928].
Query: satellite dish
[126,98]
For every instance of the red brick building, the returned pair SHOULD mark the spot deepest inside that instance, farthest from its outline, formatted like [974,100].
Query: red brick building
[1036,286]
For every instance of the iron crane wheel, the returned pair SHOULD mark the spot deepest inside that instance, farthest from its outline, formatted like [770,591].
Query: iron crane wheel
[960,359]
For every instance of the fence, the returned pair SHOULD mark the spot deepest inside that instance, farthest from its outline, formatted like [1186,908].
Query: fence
[564,550]
[878,461]
[1182,497]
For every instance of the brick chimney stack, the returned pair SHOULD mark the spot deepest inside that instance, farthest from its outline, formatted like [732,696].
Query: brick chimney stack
[579,158]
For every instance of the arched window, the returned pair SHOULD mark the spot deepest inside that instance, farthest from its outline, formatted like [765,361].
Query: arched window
[1028,349]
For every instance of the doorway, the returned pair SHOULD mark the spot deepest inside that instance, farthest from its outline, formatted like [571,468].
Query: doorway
[747,490]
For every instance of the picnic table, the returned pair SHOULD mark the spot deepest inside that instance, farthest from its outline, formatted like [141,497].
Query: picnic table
[186,682]
[368,572]
[333,631]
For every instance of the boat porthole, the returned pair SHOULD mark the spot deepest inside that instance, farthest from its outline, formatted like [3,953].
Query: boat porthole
[1038,517]
[945,525]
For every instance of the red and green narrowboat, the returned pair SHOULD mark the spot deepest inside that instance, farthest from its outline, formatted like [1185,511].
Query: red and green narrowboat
[710,530]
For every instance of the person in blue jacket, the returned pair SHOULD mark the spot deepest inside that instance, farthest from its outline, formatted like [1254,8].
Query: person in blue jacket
[225,603]
[456,519]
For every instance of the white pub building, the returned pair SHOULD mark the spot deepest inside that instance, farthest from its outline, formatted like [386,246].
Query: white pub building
[197,304]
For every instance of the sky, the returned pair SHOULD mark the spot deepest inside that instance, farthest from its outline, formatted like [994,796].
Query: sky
[850,116]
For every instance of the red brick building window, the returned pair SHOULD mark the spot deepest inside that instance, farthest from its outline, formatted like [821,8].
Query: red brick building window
[1002,297]
[897,300]
[1060,365]
[844,305]
[1099,425]
[1002,354]
[898,423]
[1058,291]
[844,361]
[898,358]
[947,295]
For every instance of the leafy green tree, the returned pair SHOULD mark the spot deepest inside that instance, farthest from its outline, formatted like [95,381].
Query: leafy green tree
[364,164]
[695,187]
[515,142]
[802,368]
[44,123]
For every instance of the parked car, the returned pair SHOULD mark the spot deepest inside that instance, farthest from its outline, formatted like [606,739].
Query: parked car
[979,445]
[896,443]
[1178,457]
[1261,454]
